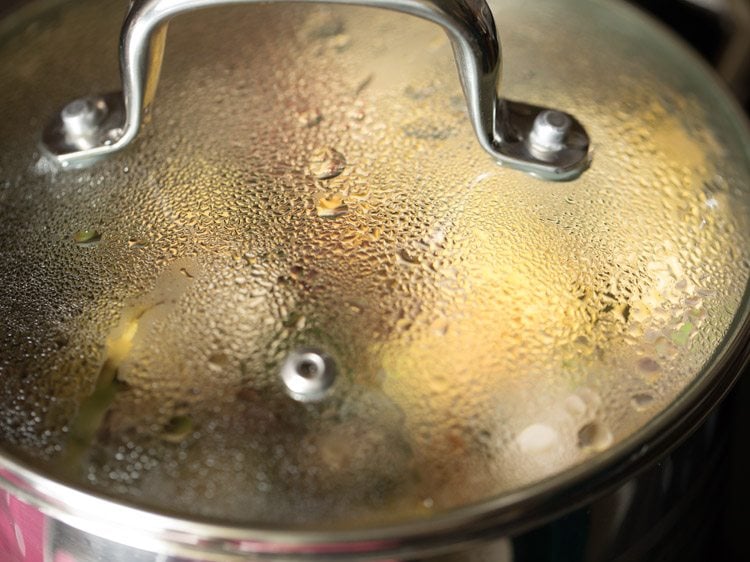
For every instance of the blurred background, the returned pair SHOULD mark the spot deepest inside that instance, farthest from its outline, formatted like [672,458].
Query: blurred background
[720,31]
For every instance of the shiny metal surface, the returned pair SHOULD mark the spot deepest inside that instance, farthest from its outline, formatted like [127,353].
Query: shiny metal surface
[549,131]
[502,126]
[308,374]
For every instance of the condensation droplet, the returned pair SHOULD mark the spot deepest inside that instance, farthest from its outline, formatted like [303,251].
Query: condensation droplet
[354,308]
[537,438]
[591,398]
[331,206]
[218,361]
[407,257]
[641,401]
[356,114]
[575,405]
[594,436]
[327,163]
[311,118]
[648,365]
[136,243]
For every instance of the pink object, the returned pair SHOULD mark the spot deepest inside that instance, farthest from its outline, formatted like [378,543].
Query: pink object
[21,531]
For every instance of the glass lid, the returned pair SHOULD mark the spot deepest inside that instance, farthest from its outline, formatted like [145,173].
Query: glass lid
[305,296]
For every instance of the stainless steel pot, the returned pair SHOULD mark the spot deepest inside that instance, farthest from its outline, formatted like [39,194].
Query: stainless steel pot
[303,314]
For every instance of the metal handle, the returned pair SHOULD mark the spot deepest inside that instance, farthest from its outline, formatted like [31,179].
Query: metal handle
[545,143]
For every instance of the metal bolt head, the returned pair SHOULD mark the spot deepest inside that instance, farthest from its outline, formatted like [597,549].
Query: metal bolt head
[82,116]
[308,374]
[549,131]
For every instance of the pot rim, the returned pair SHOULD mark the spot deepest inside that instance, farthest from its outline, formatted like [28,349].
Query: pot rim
[510,513]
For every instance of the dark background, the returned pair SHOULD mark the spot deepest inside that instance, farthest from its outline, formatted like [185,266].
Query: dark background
[720,31]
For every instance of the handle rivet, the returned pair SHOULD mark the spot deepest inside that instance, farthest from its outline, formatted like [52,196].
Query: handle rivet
[82,116]
[549,131]
[546,144]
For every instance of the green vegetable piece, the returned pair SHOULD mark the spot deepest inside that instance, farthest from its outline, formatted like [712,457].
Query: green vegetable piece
[87,237]
[681,336]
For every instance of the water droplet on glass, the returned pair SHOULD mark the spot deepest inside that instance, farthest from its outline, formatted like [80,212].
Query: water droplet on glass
[537,438]
[591,398]
[136,243]
[408,257]
[354,308]
[648,365]
[575,405]
[333,206]
[641,401]
[327,163]
[356,114]
[218,361]
[594,436]
[87,237]
[311,118]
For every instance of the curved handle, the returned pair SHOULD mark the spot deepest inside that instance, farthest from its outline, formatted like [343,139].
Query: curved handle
[545,143]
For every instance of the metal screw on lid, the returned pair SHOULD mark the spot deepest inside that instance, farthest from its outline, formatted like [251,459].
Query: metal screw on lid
[308,374]
[82,117]
[549,132]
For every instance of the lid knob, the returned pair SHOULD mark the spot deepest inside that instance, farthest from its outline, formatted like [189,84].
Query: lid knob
[308,374]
